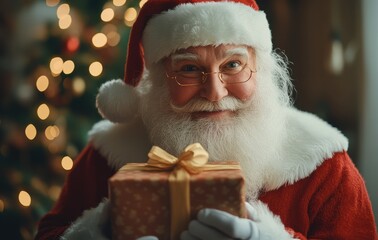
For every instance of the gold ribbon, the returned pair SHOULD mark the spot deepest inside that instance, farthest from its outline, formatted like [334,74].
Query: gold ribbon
[192,161]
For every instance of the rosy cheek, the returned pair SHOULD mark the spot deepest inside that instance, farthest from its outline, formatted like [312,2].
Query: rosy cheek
[182,95]
[244,91]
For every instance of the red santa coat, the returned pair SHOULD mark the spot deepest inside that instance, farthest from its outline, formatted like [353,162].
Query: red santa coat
[327,201]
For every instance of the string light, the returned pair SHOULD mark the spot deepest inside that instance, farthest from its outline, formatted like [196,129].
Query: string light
[65,22]
[141,3]
[68,66]
[52,132]
[113,38]
[42,83]
[63,10]
[130,14]
[99,40]
[30,131]
[73,44]
[2,206]
[67,163]
[24,198]
[52,3]
[107,14]
[119,3]
[95,69]
[78,85]
[43,111]
[56,66]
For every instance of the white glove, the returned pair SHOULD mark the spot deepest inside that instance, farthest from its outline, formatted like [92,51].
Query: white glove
[216,224]
[94,224]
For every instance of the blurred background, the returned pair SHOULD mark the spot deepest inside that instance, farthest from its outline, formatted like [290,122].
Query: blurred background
[55,54]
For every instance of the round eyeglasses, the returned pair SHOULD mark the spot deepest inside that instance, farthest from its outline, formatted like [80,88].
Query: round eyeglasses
[227,76]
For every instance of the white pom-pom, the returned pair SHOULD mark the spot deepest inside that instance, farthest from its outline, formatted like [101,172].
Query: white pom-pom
[117,101]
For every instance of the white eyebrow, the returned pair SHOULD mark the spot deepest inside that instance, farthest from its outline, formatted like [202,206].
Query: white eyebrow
[184,56]
[242,51]
[176,57]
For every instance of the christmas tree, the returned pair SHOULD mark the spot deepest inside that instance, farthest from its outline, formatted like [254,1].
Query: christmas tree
[55,56]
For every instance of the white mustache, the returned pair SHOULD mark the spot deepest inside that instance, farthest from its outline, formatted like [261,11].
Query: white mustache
[202,105]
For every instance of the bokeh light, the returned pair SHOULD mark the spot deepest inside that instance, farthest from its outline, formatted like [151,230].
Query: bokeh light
[67,163]
[113,38]
[65,22]
[78,86]
[63,10]
[119,3]
[56,66]
[141,3]
[99,40]
[130,14]
[42,83]
[43,111]
[68,66]
[95,69]
[2,206]
[107,14]
[24,198]
[52,3]
[30,131]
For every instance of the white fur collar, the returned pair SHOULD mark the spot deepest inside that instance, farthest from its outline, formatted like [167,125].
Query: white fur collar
[309,142]
[121,143]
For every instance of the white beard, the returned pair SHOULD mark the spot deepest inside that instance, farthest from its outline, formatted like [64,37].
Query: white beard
[253,137]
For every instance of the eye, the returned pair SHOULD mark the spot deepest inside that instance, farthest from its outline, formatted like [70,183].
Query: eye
[189,68]
[232,65]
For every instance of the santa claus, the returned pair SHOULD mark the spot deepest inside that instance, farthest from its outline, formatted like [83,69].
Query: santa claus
[204,71]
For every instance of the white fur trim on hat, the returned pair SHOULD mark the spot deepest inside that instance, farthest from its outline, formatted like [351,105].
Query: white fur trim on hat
[117,101]
[202,24]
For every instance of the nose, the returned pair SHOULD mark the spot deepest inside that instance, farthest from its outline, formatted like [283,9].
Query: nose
[213,89]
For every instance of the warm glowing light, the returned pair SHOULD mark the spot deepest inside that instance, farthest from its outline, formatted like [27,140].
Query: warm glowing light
[56,65]
[24,198]
[52,3]
[113,38]
[65,22]
[107,14]
[48,135]
[2,206]
[52,132]
[99,40]
[73,44]
[141,3]
[30,132]
[130,14]
[63,10]
[78,85]
[95,69]
[67,163]
[42,83]
[43,111]
[119,3]
[68,66]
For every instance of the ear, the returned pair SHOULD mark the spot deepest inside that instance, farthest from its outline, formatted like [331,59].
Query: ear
[117,101]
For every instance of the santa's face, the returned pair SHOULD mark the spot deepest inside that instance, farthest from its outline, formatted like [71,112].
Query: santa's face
[211,73]
[242,122]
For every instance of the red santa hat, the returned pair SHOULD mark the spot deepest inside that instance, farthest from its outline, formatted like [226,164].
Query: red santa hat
[164,26]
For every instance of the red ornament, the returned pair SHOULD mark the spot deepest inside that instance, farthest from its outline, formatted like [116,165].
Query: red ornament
[72,44]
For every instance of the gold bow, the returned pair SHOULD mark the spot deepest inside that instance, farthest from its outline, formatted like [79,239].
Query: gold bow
[192,161]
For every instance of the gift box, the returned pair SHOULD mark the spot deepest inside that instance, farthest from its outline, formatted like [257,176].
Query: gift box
[150,201]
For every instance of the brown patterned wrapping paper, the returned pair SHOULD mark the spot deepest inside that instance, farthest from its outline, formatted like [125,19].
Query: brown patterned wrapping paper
[140,200]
